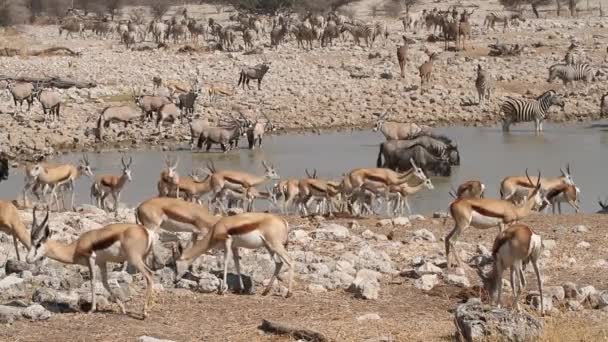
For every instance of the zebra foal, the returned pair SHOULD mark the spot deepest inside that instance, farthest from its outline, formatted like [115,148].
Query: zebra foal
[484,84]
[526,110]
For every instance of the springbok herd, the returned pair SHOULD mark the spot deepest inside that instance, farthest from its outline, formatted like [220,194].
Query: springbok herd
[180,207]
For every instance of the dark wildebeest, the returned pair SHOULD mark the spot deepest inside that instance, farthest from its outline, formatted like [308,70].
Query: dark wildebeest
[3,168]
[435,144]
[253,73]
[432,165]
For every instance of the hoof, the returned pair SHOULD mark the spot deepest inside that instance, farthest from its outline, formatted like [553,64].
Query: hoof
[289,295]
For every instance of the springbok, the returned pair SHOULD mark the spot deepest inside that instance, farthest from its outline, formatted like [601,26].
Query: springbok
[193,187]
[58,176]
[469,189]
[238,179]
[11,224]
[112,185]
[486,213]
[169,179]
[563,193]
[113,243]
[511,186]
[174,215]
[395,130]
[516,245]
[250,230]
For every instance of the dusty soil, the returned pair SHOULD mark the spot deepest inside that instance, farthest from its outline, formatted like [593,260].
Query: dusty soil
[304,90]
[406,313]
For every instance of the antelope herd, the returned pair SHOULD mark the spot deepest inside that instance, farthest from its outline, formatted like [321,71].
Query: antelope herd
[209,201]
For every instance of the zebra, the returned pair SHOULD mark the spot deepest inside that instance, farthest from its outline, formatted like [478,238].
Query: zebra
[484,84]
[360,31]
[525,110]
[569,73]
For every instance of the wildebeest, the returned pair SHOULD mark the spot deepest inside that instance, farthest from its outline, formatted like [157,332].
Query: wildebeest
[253,73]
[3,168]
[436,144]
[400,160]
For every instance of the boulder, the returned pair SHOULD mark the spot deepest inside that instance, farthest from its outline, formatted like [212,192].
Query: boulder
[332,232]
[478,322]
[556,292]
[457,280]
[423,235]
[208,283]
[56,301]
[365,285]
[570,290]
[426,282]
[11,281]
[16,266]
[35,312]
[401,221]
[151,339]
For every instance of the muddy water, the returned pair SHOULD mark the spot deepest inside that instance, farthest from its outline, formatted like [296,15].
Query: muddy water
[487,154]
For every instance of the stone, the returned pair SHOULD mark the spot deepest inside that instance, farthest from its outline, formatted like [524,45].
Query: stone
[316,288]
[574,305]
[368,234]
[570,291]
[427,268]
[423,235]
[478,322]
[374,259]
[580,229]
[35,312]
[583,245]
[384,223]
[602,300]
[151,339]
[549,244]
[16,266]
[208,283]
[365,285]
[10,281]
[56,301]
[401,221]
[299,235]
[368,317]
[332,232]
[426,282]
[533,299]
[586,292]
[556,292]
[457,280]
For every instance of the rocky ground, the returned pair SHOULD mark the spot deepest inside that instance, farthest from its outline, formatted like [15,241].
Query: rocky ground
[372,280]
[331,87]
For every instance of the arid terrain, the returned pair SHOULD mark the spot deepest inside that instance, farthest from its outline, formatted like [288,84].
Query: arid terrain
[413,297]
[330,87]
[402,312]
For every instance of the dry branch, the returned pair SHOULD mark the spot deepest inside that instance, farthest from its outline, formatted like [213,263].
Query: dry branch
[54,51]
[54,82]
[282,329]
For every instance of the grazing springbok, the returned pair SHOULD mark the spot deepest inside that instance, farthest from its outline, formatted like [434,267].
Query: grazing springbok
[112,185]
[513,247]
[511,186]
[486,213]
[64,175]
[469,189]
[174,215]
[112,243]
[11,224]
[169,179]
[563,193]
[250,230]
[395,130]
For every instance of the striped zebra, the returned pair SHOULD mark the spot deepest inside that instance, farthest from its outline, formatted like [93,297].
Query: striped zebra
[360,31]
[570,73]
[484,84]
[526,110]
